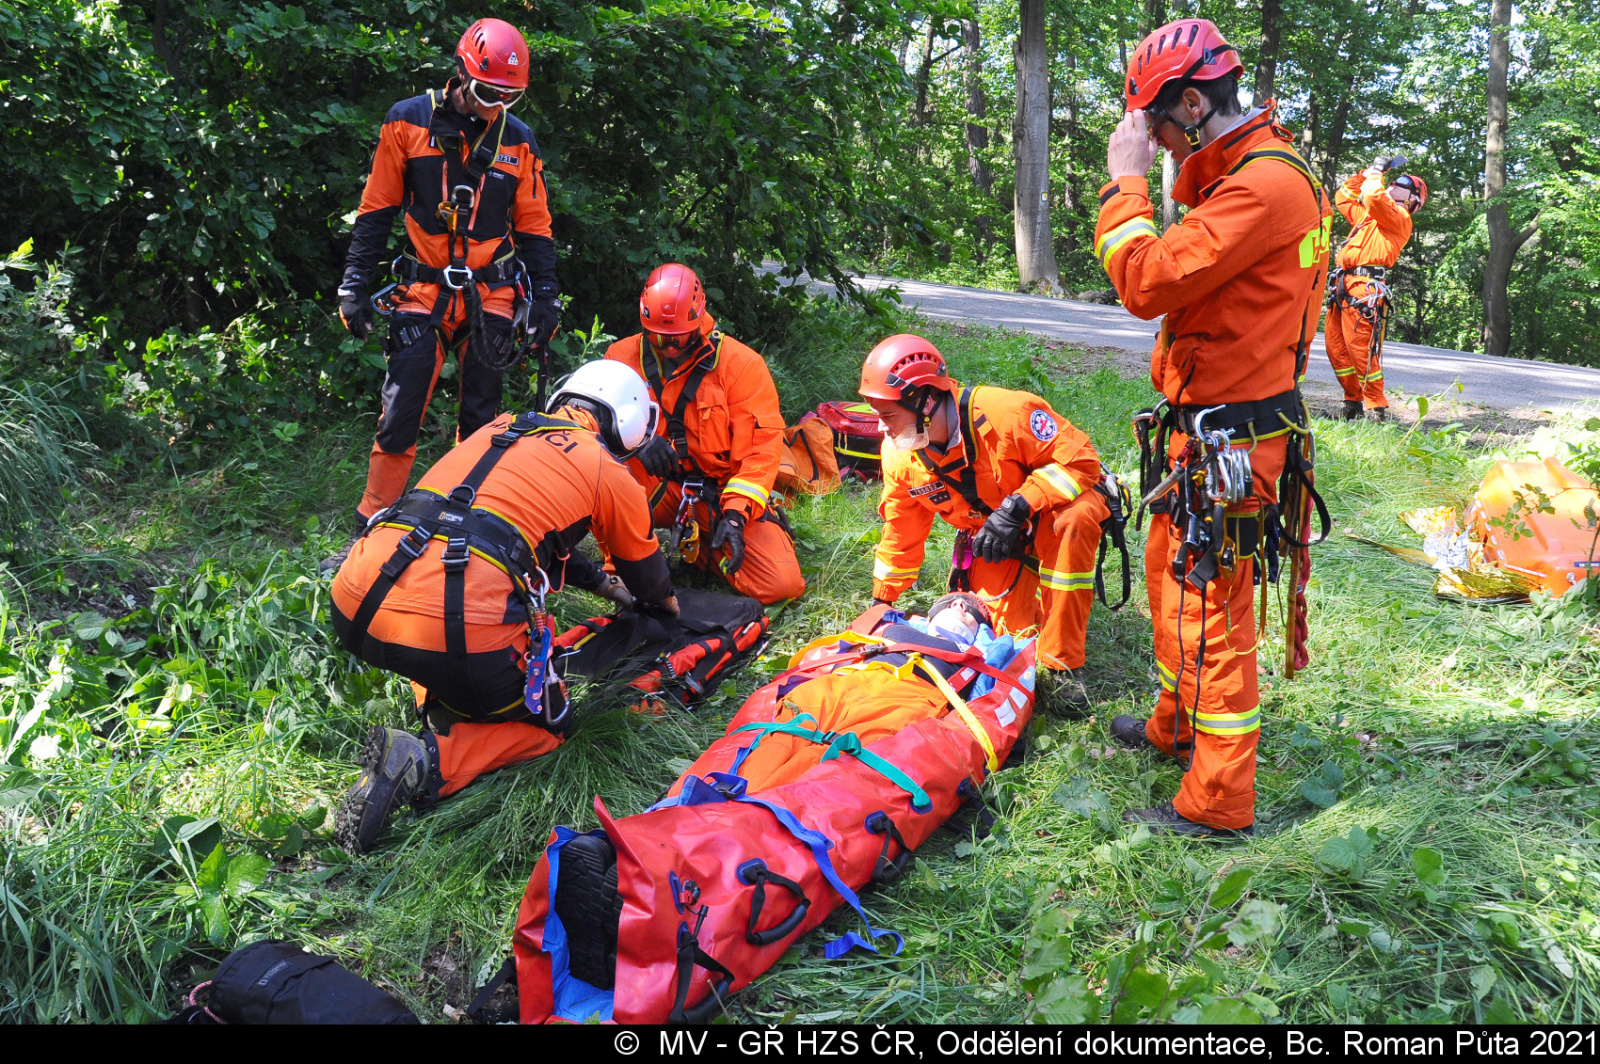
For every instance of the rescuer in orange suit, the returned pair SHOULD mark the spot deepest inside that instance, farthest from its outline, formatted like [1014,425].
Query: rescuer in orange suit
[1237,281]
[719,439]
[479,267]
[1358,293]
[447,588]
[1016,480]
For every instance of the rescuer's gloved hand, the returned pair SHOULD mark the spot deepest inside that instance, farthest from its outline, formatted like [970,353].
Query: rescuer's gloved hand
[614,590]
[659,457]
[355,310]
[544,315]
[730,534]
[1382,163]
[668,606]
[997,539]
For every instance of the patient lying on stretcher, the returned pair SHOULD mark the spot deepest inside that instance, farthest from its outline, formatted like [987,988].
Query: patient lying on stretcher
[873,698]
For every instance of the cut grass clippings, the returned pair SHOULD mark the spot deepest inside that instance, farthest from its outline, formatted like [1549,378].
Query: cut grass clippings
[175,722]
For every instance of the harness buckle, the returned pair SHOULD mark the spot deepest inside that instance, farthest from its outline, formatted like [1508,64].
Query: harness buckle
[450,273]
[414,542]
[456,554]
[457,497]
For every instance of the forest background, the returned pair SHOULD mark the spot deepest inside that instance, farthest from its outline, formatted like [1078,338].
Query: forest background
[174,720]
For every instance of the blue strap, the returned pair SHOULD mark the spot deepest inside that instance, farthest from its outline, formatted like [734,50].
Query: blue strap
[722,787]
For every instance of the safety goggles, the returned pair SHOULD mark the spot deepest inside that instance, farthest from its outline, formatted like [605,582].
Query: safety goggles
[674,342]
[492,95]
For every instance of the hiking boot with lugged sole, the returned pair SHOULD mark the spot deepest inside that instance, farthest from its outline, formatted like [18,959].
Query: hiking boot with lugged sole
[1379,413]
[1129,732]
[1350,410]
[1062,690]
[1166,820]
[331,564]
[590,908]
[396,768]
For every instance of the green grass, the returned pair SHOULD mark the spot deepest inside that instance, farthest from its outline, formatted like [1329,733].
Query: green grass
[194,677]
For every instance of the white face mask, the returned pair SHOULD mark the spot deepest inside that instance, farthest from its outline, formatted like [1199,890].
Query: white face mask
[911,441]
[955,623]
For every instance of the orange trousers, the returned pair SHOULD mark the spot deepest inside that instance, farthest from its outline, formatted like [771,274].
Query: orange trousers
[1052,588]
[770,573]
[471,750]
[1355,362]
[1205,644]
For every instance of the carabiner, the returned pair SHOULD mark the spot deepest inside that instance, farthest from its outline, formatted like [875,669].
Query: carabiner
[451,282]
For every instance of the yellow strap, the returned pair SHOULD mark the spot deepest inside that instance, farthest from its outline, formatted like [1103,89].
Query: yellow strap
[825,640]
[979,732]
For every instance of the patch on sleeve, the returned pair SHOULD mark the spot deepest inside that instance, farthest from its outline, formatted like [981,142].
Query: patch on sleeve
[509,160]
[1043,425]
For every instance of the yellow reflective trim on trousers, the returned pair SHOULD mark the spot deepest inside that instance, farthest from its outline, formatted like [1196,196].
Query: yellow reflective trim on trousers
[750,490]
[1061,479]
[1107,245]
[1168,680]
[1228,723]
[1058,581]
[1344,372]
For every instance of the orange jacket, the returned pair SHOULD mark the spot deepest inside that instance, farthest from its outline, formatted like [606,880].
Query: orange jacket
[734,427]
[409,172]
[1237,279]
[1379,227]
[1021,447]
[554,487]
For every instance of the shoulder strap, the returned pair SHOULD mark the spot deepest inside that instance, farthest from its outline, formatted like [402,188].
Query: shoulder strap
[676,431]
[966,485]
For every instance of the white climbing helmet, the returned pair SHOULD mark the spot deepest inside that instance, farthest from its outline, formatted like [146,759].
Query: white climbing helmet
[618,398]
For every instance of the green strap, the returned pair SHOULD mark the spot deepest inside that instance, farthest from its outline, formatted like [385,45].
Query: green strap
[841,743]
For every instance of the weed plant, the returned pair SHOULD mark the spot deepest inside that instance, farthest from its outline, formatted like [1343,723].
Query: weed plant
[176,722]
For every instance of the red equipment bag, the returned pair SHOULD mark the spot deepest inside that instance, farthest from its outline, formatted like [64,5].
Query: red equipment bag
[675,659]
[857,439]
[659,917]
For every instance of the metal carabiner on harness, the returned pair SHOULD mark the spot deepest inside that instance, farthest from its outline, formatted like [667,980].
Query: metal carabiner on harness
[450,273]
[685,537]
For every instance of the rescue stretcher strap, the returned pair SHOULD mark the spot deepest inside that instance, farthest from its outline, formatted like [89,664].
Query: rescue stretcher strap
[964,711]
[838,743]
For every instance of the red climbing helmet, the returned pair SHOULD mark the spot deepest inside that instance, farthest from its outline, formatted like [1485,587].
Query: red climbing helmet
[1417,185]
[493,58]
[900,365]
[673,301]
[1190,49]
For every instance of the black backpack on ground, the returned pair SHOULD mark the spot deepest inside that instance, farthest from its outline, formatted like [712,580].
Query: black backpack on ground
[278,982]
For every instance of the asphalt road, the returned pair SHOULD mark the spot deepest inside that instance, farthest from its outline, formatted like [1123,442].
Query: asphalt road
[1503,383]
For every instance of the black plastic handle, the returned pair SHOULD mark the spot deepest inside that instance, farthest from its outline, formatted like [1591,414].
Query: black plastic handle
[755,873]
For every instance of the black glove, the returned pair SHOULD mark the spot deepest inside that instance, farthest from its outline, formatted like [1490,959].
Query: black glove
[355,310]
[543,318]
[997,539]
[659,457]
[730,534]
[1381,163]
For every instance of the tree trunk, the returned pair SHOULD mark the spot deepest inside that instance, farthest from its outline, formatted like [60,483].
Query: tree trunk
[919,117]
[1308,135]
[977,133]
[1036,257]
[1504,241]
[1335,145]
[1267,58]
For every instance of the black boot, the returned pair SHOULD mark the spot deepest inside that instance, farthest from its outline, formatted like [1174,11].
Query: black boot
[332,562]
[1350,410]
[1062,690]
[396,767]
[1379,413]
[1129,732]
[590,908]
[1165,820]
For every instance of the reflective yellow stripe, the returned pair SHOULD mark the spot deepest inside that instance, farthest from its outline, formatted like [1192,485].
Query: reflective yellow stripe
[1107,245]
[750,490]
[1059,581]
[1228,723]
[882,570]
[1344,372]
[979,732]
[1168,680]
[1061,479]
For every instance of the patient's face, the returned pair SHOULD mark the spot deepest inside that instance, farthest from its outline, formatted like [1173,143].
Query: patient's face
[955,623]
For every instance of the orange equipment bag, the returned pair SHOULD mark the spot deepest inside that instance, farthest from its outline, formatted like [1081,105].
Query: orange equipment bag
[857,439]
[659,917]
[676,659]
[807,465]
[1554,548]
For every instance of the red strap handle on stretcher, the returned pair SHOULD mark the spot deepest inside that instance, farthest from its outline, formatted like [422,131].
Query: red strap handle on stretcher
[966,659]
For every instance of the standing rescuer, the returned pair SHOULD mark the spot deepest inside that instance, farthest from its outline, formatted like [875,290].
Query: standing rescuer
[1019,483]
[447,588]
[712,462]
[478,273]
[1359,299]
[1238,282]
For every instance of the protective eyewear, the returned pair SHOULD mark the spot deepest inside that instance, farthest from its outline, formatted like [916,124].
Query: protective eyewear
[671,341]
[493,95]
